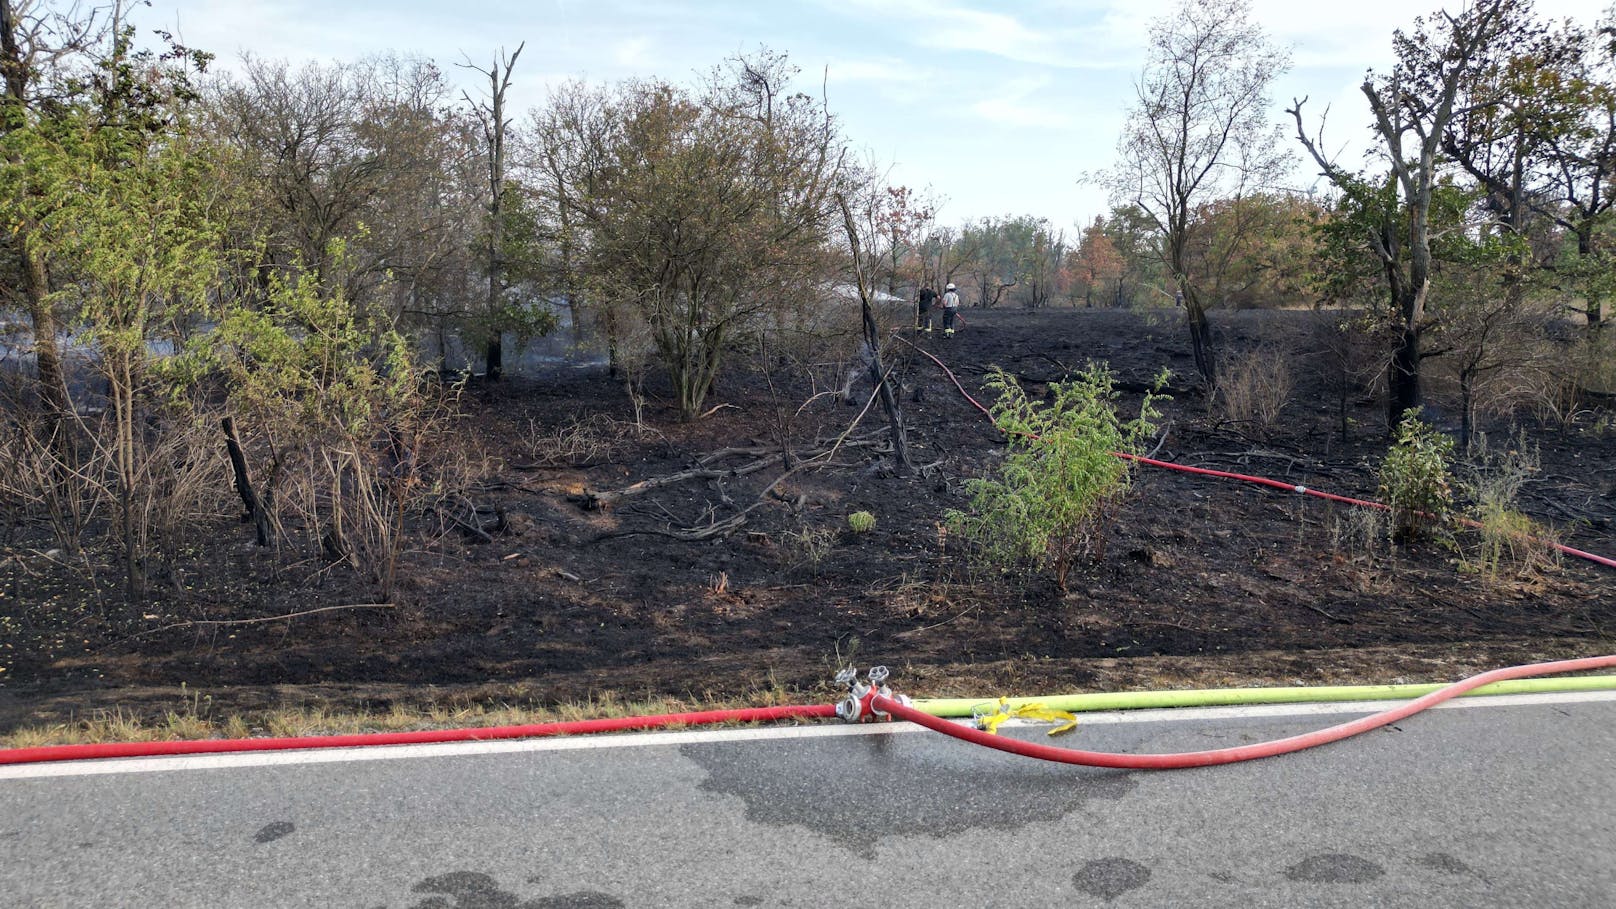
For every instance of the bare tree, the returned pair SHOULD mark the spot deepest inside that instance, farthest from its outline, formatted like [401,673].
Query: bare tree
[1198,131]
[358,153]
[491,118]
[946,253]
[862,229]
[561,160]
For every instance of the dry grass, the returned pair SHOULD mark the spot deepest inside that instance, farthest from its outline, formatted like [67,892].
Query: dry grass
[594,439]
[1255,387]
[918,596]
[807,547]
[718,583]
[1512,546]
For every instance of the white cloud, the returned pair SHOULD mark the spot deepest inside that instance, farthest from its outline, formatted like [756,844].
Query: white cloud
[955,27]
[1028,93]
[633,52]
[890,80]
[1015,105]
[877,71]
[1010,112]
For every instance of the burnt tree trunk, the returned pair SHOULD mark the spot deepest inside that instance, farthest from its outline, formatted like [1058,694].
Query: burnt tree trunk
[491,117]
[1404,380]
[244,484]
[872,341]
[1594,306]
[883,384]
[494,353]
[1201,340]
[31,272]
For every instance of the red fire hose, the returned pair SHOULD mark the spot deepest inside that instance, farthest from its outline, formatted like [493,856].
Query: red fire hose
[426,736]
[1240,752]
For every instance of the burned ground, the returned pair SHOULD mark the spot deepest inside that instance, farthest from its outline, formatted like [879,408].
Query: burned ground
[1203,582]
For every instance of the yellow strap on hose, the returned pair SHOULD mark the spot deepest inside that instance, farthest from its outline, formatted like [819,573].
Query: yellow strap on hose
[989,722]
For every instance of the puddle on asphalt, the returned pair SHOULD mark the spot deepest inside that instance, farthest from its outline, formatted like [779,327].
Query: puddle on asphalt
[875,794]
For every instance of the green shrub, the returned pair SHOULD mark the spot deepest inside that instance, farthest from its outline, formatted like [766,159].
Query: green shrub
[861,522]
[1416,479]
[1060,484]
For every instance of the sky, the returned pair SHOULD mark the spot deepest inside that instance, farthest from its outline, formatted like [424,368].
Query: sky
[995,108]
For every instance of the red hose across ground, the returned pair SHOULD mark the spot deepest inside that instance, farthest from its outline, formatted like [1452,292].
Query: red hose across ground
[1247,478]
[426,736]
[1239,752]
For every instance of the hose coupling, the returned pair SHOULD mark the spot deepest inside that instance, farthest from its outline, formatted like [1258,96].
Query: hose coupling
[859,705]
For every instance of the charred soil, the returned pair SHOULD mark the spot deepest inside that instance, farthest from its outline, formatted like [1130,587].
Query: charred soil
[669,593]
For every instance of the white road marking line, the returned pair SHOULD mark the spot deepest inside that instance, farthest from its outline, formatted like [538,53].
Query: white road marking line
[703,736]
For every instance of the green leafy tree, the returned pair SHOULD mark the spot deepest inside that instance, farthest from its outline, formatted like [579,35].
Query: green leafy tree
[1413,108]
[39,47]
[1144,278]
[1095,264]
[336,405]
[697,213]
[370,152]
[119,201]
[1255,251]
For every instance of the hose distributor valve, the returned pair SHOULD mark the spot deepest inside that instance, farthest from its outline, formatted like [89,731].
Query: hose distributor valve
[859,705]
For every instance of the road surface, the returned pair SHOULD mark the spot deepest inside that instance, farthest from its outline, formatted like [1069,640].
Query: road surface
[1490,802]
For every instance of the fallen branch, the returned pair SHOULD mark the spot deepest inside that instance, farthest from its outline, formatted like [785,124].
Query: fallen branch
[915,631]
[600,501]
[716,410]
[215,623]
[1459,606]
[1162,441]
[690,535]
[473,527]
[1334,618]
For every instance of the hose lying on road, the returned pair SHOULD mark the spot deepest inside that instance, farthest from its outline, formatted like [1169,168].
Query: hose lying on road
[1224,697]
[1247,478]
[1239,752]
[925,713]
[46,753]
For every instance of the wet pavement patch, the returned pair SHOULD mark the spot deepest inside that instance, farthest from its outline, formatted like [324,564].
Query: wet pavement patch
[1109,878]
[786,784]
[583,899]
[1334,868]
[271,832]
[467,889]
[475,890]
[1445,863]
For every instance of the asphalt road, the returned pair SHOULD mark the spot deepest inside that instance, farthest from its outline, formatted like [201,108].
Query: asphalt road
[1510,804]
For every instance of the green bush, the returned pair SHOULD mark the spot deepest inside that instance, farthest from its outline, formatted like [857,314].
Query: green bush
[861,522]
[1060,485]
[1416,479]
